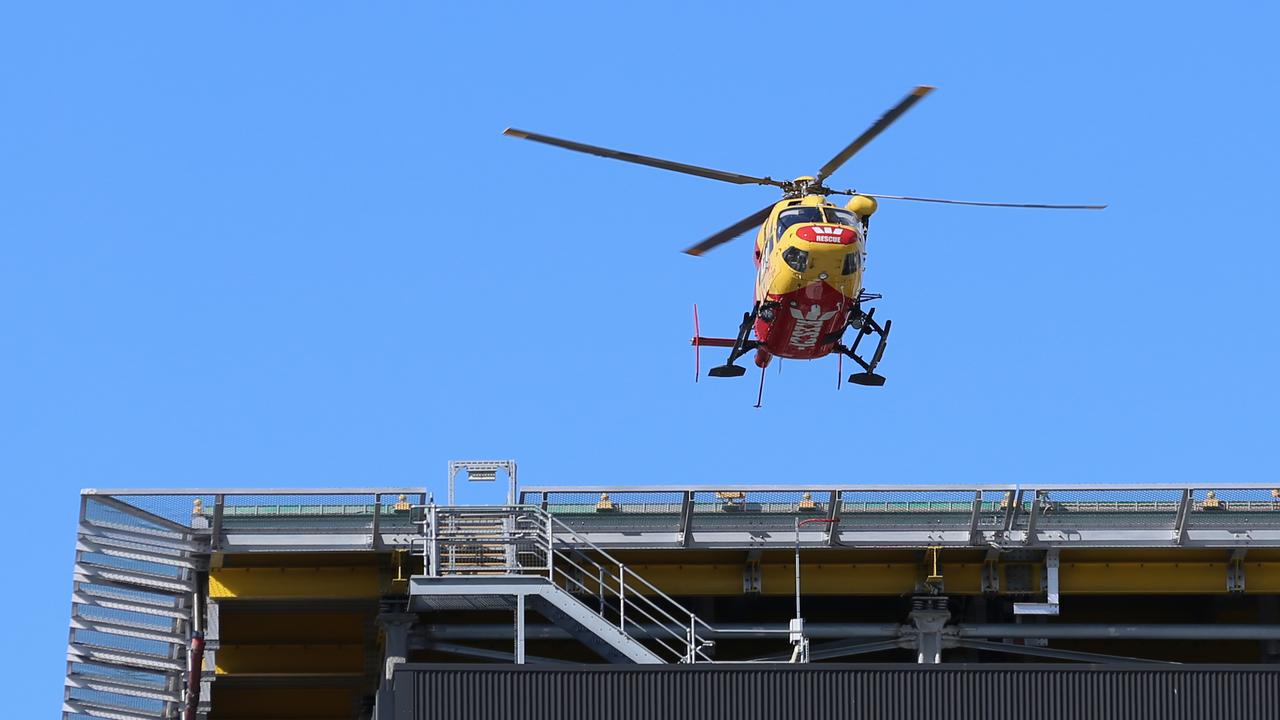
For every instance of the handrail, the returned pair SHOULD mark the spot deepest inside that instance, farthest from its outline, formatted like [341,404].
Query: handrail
[614,560]
[453,531]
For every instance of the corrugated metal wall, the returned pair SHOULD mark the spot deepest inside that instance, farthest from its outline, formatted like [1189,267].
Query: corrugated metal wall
[823,692]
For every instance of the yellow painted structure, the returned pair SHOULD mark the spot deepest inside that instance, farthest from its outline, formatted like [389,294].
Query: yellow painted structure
[308,619]
[312,703]
[303,659]
[296,583]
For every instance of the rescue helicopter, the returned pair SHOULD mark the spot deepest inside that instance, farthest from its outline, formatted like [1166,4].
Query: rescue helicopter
[809,256]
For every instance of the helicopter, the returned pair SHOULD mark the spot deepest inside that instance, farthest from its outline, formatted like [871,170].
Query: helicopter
[809,256]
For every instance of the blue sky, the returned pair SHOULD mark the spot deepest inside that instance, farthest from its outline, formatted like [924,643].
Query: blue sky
[285,244]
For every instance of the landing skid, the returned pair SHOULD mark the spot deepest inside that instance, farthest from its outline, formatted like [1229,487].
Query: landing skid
[867,325]
[741,346]
[727,371]
[867,378]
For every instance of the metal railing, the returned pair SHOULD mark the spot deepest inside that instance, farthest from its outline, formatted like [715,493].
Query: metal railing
[1194,513]
[528,541]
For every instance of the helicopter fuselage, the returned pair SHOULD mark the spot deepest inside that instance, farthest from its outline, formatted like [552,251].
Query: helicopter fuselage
[808,278]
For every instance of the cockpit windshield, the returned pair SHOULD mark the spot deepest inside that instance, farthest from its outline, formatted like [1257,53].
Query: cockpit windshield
[842,217]
[791,216]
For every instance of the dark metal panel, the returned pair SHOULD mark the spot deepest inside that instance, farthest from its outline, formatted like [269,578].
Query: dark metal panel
[837,692]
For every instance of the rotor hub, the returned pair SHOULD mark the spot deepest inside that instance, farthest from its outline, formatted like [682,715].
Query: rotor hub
[805,185]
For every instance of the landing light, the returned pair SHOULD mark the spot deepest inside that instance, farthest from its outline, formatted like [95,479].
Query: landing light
[796,258]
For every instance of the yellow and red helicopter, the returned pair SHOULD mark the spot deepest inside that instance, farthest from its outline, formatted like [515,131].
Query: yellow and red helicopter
[809,255]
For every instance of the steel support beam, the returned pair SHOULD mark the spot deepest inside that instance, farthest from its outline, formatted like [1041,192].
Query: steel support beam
[1180,520]
[1051,587]
[686,518]
[1119,632]
[975,535]
[519,630]
[1031,518]
[1087,657]
[496,655]
[929,615]
[841,649]
[833,518]
[426,633]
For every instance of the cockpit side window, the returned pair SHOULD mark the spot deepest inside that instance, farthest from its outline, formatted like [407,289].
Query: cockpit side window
[791,216]
[842,217]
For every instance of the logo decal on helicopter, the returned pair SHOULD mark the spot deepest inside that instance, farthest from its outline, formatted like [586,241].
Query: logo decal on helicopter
[827,234]
[808,326]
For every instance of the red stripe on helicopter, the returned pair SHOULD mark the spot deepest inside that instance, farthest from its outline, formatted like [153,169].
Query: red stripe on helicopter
[831,234]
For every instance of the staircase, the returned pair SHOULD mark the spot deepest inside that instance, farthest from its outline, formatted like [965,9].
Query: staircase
[135,575]
[501,557]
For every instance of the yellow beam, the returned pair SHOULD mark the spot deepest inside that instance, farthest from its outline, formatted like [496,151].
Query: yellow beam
[309,703]
[1143,577]
[715,579]
[815,579]
[233,659]
[294,628]
[295,583]
[842,579]
[1261,577]
[961,578]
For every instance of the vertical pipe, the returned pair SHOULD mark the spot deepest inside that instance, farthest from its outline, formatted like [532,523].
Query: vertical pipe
[622,598]
[551,549]
[195,650]
[797,568]
[215,532]
[433,541]
[692,641]
[519,630]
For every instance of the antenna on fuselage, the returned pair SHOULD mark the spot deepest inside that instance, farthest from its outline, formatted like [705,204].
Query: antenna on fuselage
[760,394]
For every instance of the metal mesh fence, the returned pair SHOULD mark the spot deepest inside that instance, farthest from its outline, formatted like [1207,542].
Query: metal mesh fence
[757,510]
[141,646]
[1235,509]
[1138,509]
[118,701]
[130,515]
[627,511]
[137,555]
[121,616]
[994,508]
[397,510]
[935,509]
[298,512]
[110,673]
[180,509]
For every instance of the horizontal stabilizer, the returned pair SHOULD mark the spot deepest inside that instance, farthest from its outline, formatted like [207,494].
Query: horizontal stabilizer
[712,342]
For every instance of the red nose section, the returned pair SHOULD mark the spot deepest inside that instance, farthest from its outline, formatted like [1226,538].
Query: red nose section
[802,324]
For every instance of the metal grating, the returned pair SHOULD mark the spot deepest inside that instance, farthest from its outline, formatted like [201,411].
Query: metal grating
[135,573]
[837,692]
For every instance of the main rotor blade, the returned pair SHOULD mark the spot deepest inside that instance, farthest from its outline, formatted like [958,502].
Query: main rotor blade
[876,128]
[979,202]
[721,175]
[732,231]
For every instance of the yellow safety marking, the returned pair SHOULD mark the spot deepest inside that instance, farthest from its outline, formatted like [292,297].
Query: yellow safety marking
[290,659]
[1135,577]
[309,703]
[294,628]
[1261,577]
[688,579]
[842,579]
[292,583]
